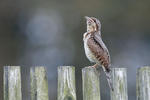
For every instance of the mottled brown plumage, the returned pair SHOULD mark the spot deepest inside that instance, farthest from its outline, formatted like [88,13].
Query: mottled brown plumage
[101,53]
[95,49]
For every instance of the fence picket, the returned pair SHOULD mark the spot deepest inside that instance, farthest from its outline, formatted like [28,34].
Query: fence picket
[91,84]
[12,83]
[39,84]
[66,83]
[143,83]
[119,81]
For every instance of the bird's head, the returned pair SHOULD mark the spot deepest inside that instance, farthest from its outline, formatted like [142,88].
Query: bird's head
[93,24]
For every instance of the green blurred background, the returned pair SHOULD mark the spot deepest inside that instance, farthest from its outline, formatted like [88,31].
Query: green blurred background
[49,33]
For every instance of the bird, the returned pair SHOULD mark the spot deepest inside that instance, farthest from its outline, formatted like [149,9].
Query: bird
[95,49]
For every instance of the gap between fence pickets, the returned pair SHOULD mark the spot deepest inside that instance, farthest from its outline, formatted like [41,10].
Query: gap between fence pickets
[91,84]
[66,75]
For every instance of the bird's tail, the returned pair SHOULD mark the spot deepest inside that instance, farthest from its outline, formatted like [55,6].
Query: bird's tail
[108,76]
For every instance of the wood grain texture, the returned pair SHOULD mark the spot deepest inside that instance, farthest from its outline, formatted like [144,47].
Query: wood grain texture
[119,81]
[66,83]
[12,83]
[143,83]
[91,84]
[39,83]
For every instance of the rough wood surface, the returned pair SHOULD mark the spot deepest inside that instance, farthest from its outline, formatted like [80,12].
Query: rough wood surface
[39,84]
[66,83]
[91,84]
[143,83]
[12,83]
[119,81]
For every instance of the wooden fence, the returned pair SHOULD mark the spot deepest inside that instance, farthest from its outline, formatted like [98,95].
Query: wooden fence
[66,83]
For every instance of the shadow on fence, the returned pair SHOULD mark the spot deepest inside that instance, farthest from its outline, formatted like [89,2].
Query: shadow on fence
[66,83]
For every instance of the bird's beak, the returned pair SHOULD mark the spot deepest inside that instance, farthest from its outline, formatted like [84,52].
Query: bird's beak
[88,18]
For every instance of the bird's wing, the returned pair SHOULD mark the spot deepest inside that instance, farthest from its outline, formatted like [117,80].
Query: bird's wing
[99,49]
[99,40]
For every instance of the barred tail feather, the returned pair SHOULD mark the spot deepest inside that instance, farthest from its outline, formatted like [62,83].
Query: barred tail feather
[108,77]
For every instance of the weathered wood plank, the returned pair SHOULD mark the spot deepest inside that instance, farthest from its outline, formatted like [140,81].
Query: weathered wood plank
[33,84]
[143,83]
[39,84]
[66,83]
[91,84]
[119,81]
[12,83]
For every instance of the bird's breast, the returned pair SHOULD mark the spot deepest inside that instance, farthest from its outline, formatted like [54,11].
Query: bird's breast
[88,52]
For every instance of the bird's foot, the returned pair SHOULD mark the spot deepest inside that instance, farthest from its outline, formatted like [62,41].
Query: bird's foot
[95,66]
[96,70]
[89,67]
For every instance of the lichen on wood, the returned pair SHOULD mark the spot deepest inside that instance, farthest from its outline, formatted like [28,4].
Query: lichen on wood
[91,84]
[143,83]
[66,83]
[39,84]
[119,81]
[12,83]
